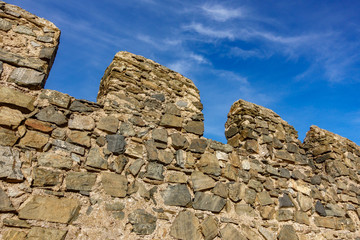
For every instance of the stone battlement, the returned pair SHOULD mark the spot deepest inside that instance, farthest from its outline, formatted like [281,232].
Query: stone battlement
[135,165]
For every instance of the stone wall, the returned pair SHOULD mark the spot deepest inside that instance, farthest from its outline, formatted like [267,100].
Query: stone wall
[134,165]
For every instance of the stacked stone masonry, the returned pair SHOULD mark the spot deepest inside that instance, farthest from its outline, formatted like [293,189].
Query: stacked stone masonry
[134,165]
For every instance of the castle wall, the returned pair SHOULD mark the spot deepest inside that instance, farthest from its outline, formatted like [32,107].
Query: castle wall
[135,165]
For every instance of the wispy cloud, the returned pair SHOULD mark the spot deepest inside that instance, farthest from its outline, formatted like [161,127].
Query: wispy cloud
[210,32]
[221,13]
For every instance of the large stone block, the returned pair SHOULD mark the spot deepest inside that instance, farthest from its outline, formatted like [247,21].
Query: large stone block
[114,184]
[54,160]
[50,209]
[10,117]
[16,98]
[27,78]
[80,181]
[37,233]
[34,139]
[143,222]
[7,137]
[185,226]
[5,203]
[10,164]
[208,202]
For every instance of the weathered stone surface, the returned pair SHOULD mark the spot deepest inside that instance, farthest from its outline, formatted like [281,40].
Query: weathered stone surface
[220,189]
[22,29]
[7,137]
[95,160]
[5,25]
[119,164]
[50,114]
[108,124]
[80,181]
[196,127]
[320,209]
[208,202]
[327,222]
[198,145]
[14,235]
[264,198]
[143,222]
[186,227]
[13,222]
[20,61]
[81,122]
[176,177]
[285,201]
[55,160]
[114,184]
[27,77]
[287,232]
[14,97]
[244,209]
[56,98]
[39,125]
[250,196]
[47,53]
[256,185]
[284,215]
[229,232]
[301,217]
[209,228]
[266,233]
[252,146]
[235,191]
[136,166]
[10,165]
[284,155]
[165,157]
[178,141]
[50,209]
[160,135]
[168,120]
[305,202]
[155,171]
[201,182]
[10,117]
[334,210]
[46,233]
[180,158]
[45,177]
[134,150]
[5,203]
[77,106]
[116,143]
[267,212]
[80,138]
[209,164]
[34,139]
[177,195]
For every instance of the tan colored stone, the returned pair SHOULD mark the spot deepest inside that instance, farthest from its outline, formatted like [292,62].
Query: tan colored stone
[14,97]
[7,137]
[301,217]
[34,139]
[175,177]
[14,235]
[52,209]
[50,159]
[209,164]
[201,182]
[229,232]
[78,137]
[169,120]
[209,228]
[108,124]
[37,233]
[305,202]
[10,117]
[186,226]
[114,184]
[80,122]
[267,212]
[327,222]
[39,125]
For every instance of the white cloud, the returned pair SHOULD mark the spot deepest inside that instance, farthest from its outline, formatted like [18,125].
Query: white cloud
[221,13]
[198,58]
[215,33]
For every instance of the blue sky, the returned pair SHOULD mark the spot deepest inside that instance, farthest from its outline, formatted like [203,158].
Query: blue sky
[298,58]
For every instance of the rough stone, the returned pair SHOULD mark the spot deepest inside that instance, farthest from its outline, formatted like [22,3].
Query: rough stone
[160,135]
[134,150]
[201,182]
[287,232]
[165,157]
[198,145]
[10,117]
[209,228]
[45,39]
[284,155]
[264,198]
[46,233]
[13,222]
[119,164]
[229,232]
[77,106]
[55,160]
[27,77]
[14,97]
[80,181]
[47,53]
[209,164]
[56,98]
[305,202]
[284,215]
[301,217]
[196,127]
[186,227]
[235,191]
[327,222]
[116,143]
[95,160]
[114,184]
[44,177]
[168,120]
[22,29]
[50,209]
[136,166]
[285,201]
[5,25]
[10,164]
[80,122]
[266,233]
[143,222]
[177,195]
[320,209]
[80,138]
[178,141]
[7,137]
[252,146]
[34,139]
[250,196]
[267,212]
[41,126]
[155,171]
[208,202]
[50,114]
[14,235]
[180,158]
[245,210]
[175,177]
[17,60]
[5,203]
[108,124]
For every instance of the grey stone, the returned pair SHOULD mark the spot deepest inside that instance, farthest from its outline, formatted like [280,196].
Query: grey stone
[315,180]
[168,120]
[284,215]
[95,160]
[114,184]
[209,227]
[209,164]
[196,127]
[208,202]
[320,209]
[27,77]
[56,98]
[171,109]
[185,226]
[44,177]
[177,195]
[14,97]
[284,155]
[24,30]
[285,201]
[154,171]
[159,96]
[50,114]
[1,64]
[252,146]
[116,143]
[136,166]
[201,182]
[7,137]
[45,39]
[235,191]
[46,233]
[143,222]
[178,141]
[250,196]
[283,172]
[5,25]
[17,60]
[198,145]
[108,124]
[287,232]
[152,152]
[245,209]
[256,185]
[10,164]
[137,121]
[229,232]
[77,106]
[231,131]
[80,181]
[68,146]
[180,158]
[160,135]
[5,203]
[47,53]
[218,146]
[165,156]
[117,206]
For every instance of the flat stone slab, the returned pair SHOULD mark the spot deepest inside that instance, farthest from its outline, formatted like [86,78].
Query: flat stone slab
[186,226]
[27,78]
[46,233]
[51,209]
[143,223]
[16,98]
[208,202]
[114,184]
